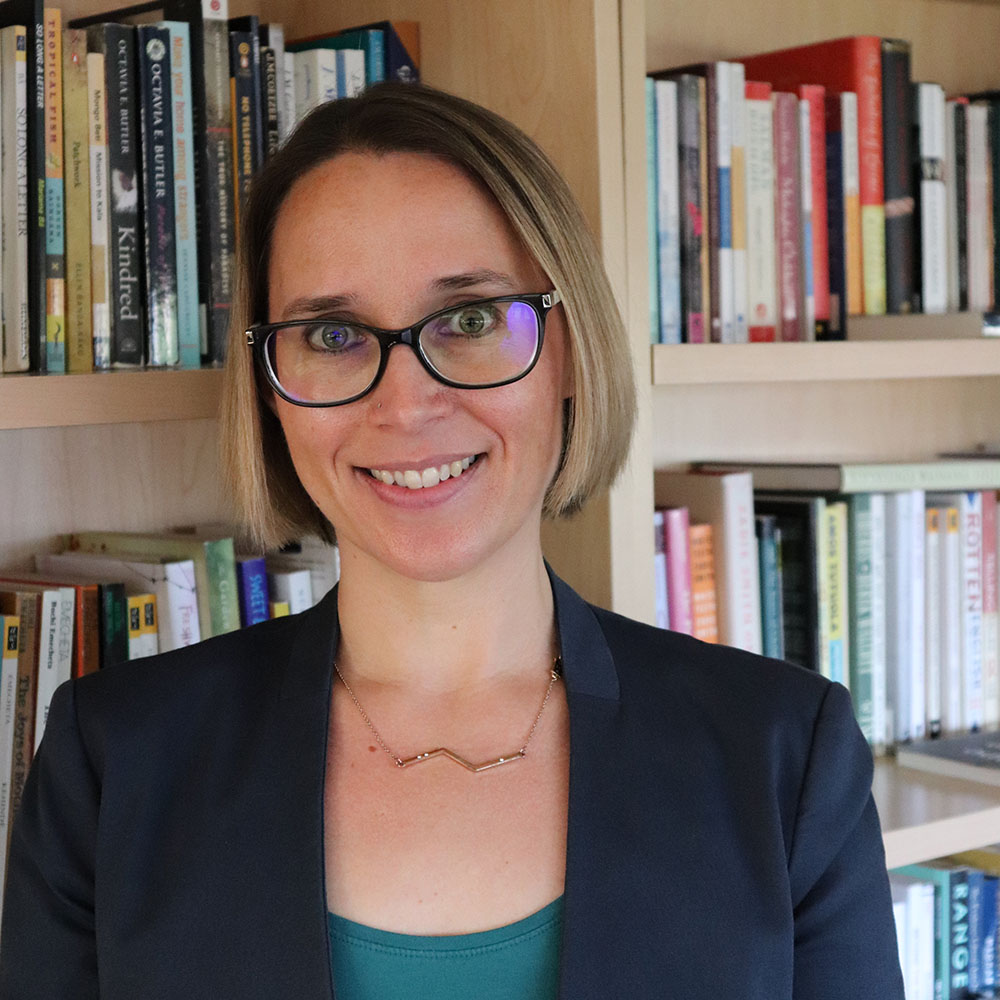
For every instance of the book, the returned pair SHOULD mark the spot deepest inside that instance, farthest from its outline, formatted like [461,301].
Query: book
[292,587]
[113,622]
[272,40]
[185,197]
[991,613]
[864,477]
[660,577]
[979,230]
[143,639]
[251,578]
[76,159]
[157,165]
[677,548]
[932,619]
[836,217]
[652,211]
[990,99]
[692,194]
[971,756]
[837,588]
[813,96]
[116,43]
[950,653]
[244,97]
[769,548]
[214,564]
[726,502]
[788,216]
[311,553]
[400,48]
[315,79]
[704,606]
[917,934]
[929,171]
[269,100]
[14,194]
[956,186]
[668,213]
[9,638]
[852,203]
[807,318]
[846,64]
[369,41]
[29,14]
[760,194]
[248,27]
[738,200]
[55,220]
[100,225]
[172,582]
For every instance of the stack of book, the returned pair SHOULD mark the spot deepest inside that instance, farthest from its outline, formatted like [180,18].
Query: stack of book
[793,189]
[110,597]
[121,184]
[881,576]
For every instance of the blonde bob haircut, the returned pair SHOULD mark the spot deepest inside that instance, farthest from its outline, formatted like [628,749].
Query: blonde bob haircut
[269,499]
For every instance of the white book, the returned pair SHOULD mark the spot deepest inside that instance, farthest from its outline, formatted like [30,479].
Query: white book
[350,72]
[55,657]
[951,620]
[726,502]
[980,247]
[933,220]
[738,201]
[762,282]
[288,115]
[100,222]
[311,553]
[173,583]
[918,560]
[9,626]
[660,571]
[291,586]
[970,521]
[276,41]
[808,318]
[920,947]
[726,333]
[315,79]
[878,624]
[668,211]
[951,207]
[16,336]
[932,620]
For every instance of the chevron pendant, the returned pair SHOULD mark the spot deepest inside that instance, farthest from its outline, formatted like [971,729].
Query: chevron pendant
[451,755]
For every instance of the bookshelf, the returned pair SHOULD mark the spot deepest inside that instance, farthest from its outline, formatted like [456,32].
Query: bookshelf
[136,450]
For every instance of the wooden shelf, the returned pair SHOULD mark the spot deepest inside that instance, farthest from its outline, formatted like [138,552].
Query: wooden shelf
[120,397]
[926,815]
[827,361]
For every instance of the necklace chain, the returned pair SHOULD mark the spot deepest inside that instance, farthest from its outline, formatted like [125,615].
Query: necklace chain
[443,751]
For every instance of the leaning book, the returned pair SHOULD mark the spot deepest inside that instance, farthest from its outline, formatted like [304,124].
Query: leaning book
[973,757]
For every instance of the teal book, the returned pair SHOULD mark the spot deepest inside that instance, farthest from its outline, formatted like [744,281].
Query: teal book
[188,320]
[652,224]
[370,41]
[769,555]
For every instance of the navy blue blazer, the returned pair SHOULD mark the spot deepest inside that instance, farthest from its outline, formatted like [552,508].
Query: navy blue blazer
[722,841]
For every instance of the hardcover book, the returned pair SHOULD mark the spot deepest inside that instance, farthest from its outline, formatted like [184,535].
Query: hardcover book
[668,213]
[760,191]
[972,756]
[55,218]
[788,217]
[693,248]
[931,260]
[100,226]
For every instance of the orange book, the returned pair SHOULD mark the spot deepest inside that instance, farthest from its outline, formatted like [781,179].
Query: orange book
[703,602]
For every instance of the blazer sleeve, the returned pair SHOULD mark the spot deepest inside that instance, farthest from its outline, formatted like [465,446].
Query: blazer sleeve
[47,946]
[845,936]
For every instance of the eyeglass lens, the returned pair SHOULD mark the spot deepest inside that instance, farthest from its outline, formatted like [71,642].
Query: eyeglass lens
[478,344]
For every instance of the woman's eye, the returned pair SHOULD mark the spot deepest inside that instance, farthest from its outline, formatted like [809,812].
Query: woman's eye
[332,337]
[473,321]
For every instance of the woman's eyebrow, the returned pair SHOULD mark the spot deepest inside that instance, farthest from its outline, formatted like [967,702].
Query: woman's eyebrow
[316,304]
[481,276]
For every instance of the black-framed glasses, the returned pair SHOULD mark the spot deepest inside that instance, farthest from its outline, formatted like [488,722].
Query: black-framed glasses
[475,345]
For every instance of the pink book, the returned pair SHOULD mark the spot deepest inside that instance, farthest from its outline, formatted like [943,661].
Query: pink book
[788,216]
[675,533]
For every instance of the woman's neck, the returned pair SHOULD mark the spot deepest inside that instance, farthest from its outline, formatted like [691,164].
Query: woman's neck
[445,636]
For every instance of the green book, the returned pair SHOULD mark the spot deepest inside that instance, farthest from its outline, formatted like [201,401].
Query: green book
[214,567]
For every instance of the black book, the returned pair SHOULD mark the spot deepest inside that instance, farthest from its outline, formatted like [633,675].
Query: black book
[269,100]
[836,221]
[897,158]
[125,239]
[960,173]
[113,623]
[245,107]
[690,106]
[30,13]
[250,24]
[213,164]
[160,223]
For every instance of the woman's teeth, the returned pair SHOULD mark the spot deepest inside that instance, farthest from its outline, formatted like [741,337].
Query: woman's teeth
[413,479]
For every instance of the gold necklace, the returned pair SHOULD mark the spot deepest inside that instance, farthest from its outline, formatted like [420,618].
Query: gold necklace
[444,751]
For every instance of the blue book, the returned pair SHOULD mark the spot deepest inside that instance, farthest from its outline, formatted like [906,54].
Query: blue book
[652,223]
[188,319]
[350,72]
[668,211]
[769,555]
[251,579]
[989,926]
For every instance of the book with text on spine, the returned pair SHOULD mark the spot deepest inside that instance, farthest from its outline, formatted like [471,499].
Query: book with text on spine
[100,227]
[55,209]
[971,757]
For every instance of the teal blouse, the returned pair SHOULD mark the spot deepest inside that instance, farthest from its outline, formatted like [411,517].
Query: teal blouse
[517,962]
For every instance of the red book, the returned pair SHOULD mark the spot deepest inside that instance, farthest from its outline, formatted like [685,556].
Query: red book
[788,217]
[677,546]
[846,64]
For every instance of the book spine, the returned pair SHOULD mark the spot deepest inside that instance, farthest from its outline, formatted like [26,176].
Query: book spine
[704,605]
[988,931]
[739,565]
[14,166]
[661,577]
[100,271]
[961,174]
[815,96]
[677,524]
[55,220]
[269,100]
[880,666]
[899,609]
[292,587]
[350,72]
[951,621]
[36,133]
[251,577]
[860,611]
[836,571]
[900,230]
[9,627]
[652,221]
[929,185]
[918,559]
[835,215]
[125,233]
[722,207]
[113,624]
[178,607]
[991,614]
[853,240]
[738,185]
[760,197]
[993,168]
[975,902]
[28,610]
[220,564]
[932,619]
[55,657]
[289,104]
[76,147]
[807,305]
[709,277]
[971,513]
[951,194]
[272,37]
[242,107]
[157,161]
[980,237]
[188,333]
[787,214]
[668,213]
[690,102]
[958,964]
[768,536]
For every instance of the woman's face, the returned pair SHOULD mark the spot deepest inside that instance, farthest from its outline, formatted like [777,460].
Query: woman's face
[391,239]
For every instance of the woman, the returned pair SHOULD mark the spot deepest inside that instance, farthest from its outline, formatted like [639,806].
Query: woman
[452,777]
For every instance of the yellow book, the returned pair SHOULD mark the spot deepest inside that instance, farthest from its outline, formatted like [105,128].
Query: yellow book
[279,609]
[55,233]
[873,258]
[142,631]
[100,276]
[76,148]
